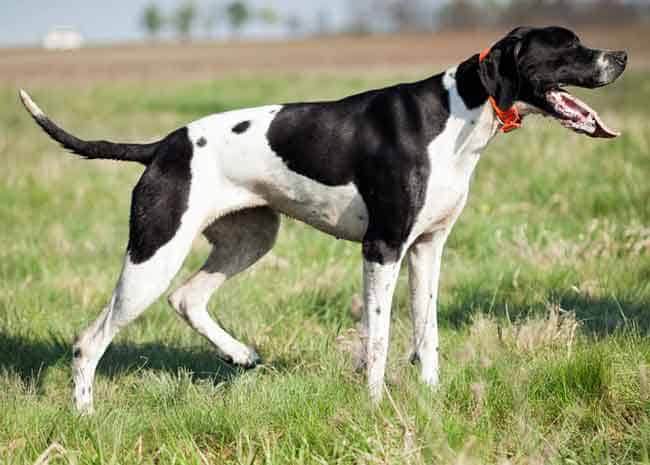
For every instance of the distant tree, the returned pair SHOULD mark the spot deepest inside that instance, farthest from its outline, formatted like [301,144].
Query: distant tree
[294,25]
[184,18]
[405,15]
[469,14]
[152,20]
[238,14]
[361,17]
[461,14]
[267,15]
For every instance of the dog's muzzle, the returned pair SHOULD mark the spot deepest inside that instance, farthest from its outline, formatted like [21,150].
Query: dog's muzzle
[575,114]
[611,65]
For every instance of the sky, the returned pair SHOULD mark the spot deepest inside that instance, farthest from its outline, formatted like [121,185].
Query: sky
[25,22]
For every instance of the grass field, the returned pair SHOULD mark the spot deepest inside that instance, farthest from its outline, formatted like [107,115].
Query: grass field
[544,304]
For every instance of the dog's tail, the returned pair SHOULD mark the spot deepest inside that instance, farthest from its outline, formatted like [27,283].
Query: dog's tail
[142,153]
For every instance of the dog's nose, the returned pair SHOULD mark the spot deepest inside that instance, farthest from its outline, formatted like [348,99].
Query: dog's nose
[620,58]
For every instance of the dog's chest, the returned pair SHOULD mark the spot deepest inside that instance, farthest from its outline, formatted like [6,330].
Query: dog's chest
[453,155]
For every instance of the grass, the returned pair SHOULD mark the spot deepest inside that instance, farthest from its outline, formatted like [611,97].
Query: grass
[544,305]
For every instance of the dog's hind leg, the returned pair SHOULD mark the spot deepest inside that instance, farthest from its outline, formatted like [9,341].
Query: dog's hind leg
[139,285]
[168,210]
[239,240]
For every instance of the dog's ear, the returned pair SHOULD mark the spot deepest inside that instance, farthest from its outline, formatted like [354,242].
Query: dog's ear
[519,32]
[499,71]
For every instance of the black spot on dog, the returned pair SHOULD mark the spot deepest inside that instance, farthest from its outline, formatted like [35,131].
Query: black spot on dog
[241,127]
[160,197]
[76,353]
[378,311]
[201,142]
[83,391]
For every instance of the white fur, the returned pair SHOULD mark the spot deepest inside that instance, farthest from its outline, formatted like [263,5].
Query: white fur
[453,156]
[606,67]
[30,105]
[379,284]
[191,302]
[246,162]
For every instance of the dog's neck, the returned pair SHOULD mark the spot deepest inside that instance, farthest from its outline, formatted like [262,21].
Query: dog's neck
[471,122]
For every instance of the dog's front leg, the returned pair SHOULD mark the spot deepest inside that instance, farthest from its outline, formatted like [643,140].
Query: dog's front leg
[379,279]
[424,259]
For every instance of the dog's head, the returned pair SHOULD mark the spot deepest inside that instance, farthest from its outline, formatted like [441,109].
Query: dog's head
[531,67]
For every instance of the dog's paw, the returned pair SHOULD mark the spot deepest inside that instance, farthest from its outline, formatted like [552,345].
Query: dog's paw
[246,358]
[430,377]
[83,400]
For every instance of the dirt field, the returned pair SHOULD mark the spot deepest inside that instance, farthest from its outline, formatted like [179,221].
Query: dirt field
[357,55]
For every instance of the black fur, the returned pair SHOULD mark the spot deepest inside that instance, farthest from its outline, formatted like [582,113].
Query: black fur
[469,84]
[160,197]
[499,72]
[98,149]
[201,141]
[528,62]
[378,141]
[241,127]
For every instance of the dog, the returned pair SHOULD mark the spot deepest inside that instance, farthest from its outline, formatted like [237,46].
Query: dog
[389,168]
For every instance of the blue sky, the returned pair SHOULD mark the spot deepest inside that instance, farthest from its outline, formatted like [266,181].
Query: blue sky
[24,22]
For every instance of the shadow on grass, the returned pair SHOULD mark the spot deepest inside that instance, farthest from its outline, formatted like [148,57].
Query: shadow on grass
[599,315]
[30,358]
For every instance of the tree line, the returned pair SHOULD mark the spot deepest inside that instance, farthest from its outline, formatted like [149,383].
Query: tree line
[187,17]
[366,16]
[493,13]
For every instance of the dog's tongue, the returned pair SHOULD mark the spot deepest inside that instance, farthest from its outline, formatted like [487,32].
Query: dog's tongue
[577,115]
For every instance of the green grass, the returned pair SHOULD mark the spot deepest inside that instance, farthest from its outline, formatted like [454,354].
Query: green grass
[555,220]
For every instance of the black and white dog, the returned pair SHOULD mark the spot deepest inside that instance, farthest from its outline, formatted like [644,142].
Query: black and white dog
[389,168]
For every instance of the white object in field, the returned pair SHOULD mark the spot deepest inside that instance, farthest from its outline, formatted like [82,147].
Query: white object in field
[62,38]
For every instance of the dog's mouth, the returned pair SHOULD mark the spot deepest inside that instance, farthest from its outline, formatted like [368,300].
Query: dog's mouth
[576,115]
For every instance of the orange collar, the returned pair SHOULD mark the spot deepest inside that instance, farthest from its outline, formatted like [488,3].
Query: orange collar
[509,119]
